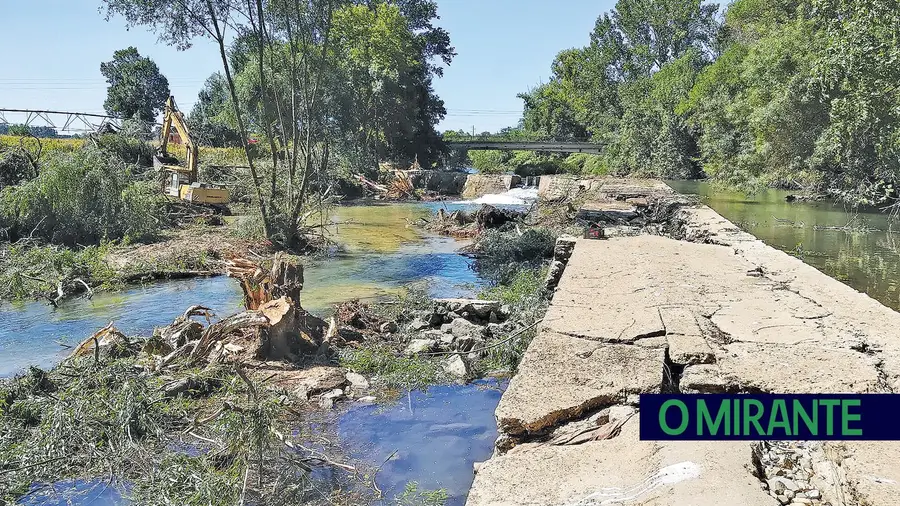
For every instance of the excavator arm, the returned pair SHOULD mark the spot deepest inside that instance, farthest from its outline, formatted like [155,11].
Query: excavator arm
[175,118]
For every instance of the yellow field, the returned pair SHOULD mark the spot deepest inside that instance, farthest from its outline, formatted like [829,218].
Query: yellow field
[208,155]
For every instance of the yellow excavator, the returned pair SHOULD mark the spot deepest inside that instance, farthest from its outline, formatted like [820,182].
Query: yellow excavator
[181,180]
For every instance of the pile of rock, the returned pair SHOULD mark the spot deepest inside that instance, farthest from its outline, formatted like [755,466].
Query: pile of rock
[788,468]
[458,325]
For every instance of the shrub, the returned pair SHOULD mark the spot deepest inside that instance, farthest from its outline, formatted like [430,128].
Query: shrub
[82,197]
[503,253]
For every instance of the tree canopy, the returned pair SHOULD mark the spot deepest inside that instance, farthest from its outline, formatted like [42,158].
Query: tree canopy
[136,89]
[790,93]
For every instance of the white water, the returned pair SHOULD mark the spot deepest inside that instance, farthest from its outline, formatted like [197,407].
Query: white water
[514,197]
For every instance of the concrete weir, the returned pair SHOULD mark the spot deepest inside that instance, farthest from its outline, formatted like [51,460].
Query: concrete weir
[704,308]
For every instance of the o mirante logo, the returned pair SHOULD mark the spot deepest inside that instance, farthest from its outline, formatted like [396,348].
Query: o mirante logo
[769,416]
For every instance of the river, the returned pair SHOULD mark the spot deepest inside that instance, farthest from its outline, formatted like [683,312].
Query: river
[380,252]
[867,260]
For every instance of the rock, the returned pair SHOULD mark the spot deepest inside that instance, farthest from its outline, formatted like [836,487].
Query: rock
[781,498]
[801,501]
[561,377]
[417,346]
[505,311]
[452,315]
[813,494]
[388,327]
[369,399]
[457,366]
[446,339]
[493,318]
[466,343]
[620,412]
[328,399]
[305,383]
[780,483]
[475,307]
[500,329]
[554,273]
[446,328]
[477,355]
[418,324]
[775,486]
[357,380]
[464,328]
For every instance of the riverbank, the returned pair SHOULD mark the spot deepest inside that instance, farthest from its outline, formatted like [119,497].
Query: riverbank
[696,307]
[378,242]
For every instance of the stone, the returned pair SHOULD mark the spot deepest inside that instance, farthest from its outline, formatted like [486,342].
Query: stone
[446,339]
[561,377]
[505,311]
[457,366]
[621,470]
[388,327]
[418,324]
[305,383]
[466,343]
[369,399]
[813,494]
[776,486]
[499,329]
[782,483]
[433,334]
[357,381]
[620,412]
[417,346]
[327,400]
[464,328]
[446,328]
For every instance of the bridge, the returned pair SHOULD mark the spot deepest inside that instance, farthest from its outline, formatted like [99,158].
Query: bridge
[498,143]
[61,121]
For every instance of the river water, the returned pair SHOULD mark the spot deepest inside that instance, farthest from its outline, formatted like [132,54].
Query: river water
[434,435]
[868,261]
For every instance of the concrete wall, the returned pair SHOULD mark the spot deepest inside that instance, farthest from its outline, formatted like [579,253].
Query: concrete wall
[483,184]
[446,183]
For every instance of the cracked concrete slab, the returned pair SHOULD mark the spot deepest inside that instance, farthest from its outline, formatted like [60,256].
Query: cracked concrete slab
[621,470]
[562,377]
[741,316]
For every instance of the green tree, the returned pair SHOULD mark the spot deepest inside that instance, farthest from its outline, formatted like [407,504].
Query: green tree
[211,118]
[136,89]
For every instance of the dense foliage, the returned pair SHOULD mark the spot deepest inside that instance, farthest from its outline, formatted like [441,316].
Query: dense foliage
[82,197]
[324,86]
[793,93]
[137,89]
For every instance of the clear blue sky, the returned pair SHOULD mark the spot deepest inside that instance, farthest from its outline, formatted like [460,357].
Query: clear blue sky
[504,47]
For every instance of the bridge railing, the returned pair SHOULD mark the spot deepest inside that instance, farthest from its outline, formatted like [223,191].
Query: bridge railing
[505,138]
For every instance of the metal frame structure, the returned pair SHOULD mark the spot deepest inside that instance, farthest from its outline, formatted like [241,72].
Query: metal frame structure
[67,120]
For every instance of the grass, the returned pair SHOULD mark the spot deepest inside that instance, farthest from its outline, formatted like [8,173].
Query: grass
[525,295]
[27,271]
[391,369]
[110,419]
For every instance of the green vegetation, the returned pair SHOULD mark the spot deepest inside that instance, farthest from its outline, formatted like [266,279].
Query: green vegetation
[412,496]
[329,88]
[111,419]
[137,89]
[82,197]
[795,93]
[391,369]
[27,271]
[527,300]
[502,253]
